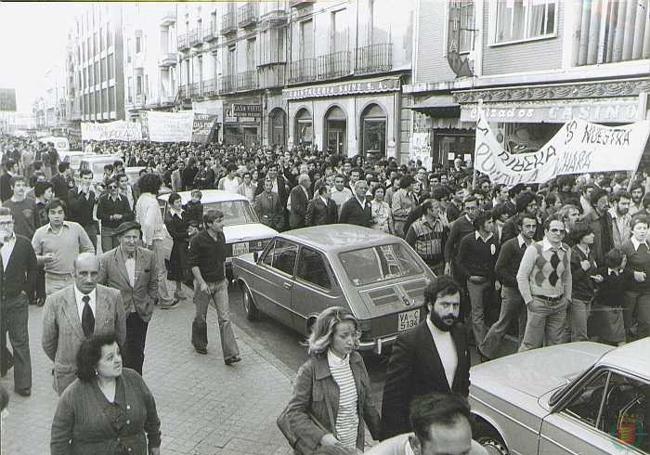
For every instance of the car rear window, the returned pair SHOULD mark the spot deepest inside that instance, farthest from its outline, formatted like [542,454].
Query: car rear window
[379,263]
[234,212]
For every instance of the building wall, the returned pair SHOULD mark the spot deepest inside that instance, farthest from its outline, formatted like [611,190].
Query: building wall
[431,58]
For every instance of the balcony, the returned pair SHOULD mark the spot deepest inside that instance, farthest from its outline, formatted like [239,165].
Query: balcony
[333,65]
[168,18]
[195,37]
[247,80]
[196,89]
[166,100]
[210,87]
[271,75]
[228,23]
[168,59]
[184,92]
[213,46]
[300,3]
[275,18]
[248,14]
[375,58]
[183,42]
[228,84]
[302,71]
[210,33]
[139,101]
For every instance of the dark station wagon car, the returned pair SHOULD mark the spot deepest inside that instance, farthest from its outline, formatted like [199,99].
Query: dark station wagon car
[301,272]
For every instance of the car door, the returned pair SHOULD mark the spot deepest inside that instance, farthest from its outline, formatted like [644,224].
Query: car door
[272,291]
[610,414]
[315,287]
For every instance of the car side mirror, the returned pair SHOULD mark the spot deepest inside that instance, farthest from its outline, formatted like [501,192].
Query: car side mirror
[256,255]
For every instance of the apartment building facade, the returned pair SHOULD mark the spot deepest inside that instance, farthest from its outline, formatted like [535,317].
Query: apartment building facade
[94,66]
[531,65]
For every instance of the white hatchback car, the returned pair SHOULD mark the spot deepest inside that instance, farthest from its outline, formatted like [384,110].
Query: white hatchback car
[576,398]
[242,228]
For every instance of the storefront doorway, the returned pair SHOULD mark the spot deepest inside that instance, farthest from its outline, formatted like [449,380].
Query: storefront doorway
[335,131]
[373,132]
[304,128]
[277,127]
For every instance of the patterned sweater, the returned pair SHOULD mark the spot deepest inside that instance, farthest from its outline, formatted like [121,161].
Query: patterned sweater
[537,276]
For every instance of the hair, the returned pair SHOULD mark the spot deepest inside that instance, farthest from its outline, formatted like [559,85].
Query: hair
[150,183]
[231,167]
[173,197]
[596,195]
[63,166]
[637,186]
[120,176]
[552,198]
[587,187]
[499,210]
[579,231]
[89,354]
[378,187]
[324,327]
[117,163]
[470,198]
[210,215]
[437,409]
[440,286]
[523,200]
[564,211]
[85,172]
[55,203]
[108,167]
[405,181]
[340,176]
[481,218]
[196,192]
[322,189]
[17,178]
[522,216]
[41,187]
[636,219]
[554,217]
[620,194]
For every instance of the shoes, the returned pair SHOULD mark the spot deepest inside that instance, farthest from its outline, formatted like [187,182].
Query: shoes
[168,306]
[40,301]
[24,392]
[229,361]
[201,349]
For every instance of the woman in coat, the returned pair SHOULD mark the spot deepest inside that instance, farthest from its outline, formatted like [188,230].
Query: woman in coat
[333,387]
[177,224]
[109,410]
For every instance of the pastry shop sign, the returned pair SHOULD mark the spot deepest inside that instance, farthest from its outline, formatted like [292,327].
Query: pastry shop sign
[348,88]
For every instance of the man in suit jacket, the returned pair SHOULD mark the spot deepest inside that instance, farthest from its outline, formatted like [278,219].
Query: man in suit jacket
[81,205]
[132,270]
[432,357]
[279,184]
[322,209]
[357,210]
[77,312]
[298,200]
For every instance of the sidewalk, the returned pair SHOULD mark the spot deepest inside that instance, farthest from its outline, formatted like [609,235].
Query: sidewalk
[205,407]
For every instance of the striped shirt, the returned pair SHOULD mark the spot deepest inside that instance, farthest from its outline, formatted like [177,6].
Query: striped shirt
[347,419]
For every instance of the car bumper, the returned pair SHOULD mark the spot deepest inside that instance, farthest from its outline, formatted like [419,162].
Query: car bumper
[377,345]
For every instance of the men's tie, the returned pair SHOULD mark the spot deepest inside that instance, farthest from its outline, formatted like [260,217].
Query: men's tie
[555,261]
[87,318]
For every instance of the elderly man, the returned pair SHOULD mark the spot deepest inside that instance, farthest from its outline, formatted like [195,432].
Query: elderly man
[357,210]
[76,313]
[269,208]
[57,244]
[298,199]
[132,270]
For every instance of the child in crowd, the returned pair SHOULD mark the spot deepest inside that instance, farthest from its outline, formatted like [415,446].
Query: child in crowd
[606,322]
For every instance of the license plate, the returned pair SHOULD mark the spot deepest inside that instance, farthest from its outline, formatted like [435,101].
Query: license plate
[239,248]
[408,319]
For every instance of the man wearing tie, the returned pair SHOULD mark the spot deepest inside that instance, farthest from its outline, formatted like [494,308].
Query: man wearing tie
[298,200]
[77,312]
[132,270]
[17,268]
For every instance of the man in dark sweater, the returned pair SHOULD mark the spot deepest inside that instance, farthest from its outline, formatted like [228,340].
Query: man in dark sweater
[459,229]
[356,210]
[17,266]
[11,169]
[81,204]
[525,203]
[112,210]
[477,257]
[512,304]
[22,208]
[206,259]
[60,182]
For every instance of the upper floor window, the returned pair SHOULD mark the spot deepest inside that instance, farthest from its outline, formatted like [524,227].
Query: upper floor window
[525,19]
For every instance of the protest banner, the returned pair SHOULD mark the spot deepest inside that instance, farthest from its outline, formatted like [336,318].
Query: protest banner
[119,130]
[579,147]
[419,149]
[203,127]
[170,126]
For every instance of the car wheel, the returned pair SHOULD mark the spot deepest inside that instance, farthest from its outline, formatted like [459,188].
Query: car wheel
[493,445]
[252,313]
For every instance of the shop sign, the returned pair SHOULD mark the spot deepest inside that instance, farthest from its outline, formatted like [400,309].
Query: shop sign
[246,110]
[613,110]
[348,88]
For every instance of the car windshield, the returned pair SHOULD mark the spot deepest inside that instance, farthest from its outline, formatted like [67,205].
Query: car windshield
[234,212]
[379,263]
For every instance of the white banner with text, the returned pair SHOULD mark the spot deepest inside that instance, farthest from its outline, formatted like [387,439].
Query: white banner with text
[119,130]
[170,126]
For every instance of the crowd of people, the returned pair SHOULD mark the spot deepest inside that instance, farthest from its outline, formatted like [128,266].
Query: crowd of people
[564,261]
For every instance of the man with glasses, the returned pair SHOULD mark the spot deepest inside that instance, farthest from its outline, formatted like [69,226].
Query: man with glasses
[112,210]
[463,226]
[206,259]
[544,281]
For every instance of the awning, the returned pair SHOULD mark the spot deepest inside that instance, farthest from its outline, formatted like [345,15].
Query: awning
[438,106]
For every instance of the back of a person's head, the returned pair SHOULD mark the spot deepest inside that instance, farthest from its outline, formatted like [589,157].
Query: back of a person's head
[437,409]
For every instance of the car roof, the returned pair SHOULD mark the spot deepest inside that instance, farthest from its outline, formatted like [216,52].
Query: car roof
[632,357]
[337,237]
[208,196]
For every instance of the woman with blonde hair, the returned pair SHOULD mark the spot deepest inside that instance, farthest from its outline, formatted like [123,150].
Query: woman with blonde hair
[331,399]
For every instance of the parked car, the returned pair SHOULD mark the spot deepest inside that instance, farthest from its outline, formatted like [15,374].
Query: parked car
[301,272]
[577,398]
[242,228]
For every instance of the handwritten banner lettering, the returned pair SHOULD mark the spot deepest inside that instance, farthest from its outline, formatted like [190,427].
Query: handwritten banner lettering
[170,126]
[119,130]
[203,127]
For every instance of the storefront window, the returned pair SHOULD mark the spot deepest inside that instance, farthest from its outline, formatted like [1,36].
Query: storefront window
[451,144]
[373,132]
[304,128]
[335,130]
[277,127]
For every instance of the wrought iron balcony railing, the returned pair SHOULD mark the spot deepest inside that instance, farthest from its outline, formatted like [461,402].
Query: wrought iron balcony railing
[303,70]
[374,58]
[333,65]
